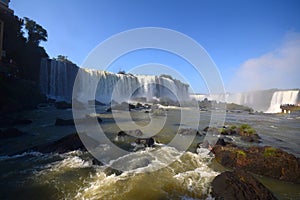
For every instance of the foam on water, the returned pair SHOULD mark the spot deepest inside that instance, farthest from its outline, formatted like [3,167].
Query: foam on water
[188,174]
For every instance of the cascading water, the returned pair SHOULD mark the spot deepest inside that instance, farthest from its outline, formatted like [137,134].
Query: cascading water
[268,101]
[57,80]
[282,97]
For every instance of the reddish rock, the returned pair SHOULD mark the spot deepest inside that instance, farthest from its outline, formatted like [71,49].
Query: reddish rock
[239,185]
[267,161]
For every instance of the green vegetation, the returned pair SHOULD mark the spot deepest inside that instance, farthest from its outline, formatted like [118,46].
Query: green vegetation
[233,127]
[270,152]
[241,152]
[62,58]
[246,128]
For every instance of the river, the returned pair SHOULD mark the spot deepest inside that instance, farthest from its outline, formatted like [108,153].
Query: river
[180,175]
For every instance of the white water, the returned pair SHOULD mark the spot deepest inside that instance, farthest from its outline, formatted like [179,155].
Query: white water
[268,101]
[282,97]
[57,79]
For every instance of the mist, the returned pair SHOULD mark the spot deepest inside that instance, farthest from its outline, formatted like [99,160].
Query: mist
[276,69]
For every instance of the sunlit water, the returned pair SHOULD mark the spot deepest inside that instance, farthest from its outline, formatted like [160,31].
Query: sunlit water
[33,175]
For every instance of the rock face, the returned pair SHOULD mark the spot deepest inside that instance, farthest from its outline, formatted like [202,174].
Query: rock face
[266,161]
[239,185]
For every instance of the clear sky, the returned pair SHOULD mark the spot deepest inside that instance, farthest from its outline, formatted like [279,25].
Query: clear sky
[255,44]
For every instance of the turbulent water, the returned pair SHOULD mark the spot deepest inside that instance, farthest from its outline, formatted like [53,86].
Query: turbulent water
[57,80]
[74,175]
[268,101]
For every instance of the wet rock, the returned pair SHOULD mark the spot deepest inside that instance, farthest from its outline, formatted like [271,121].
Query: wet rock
[108,109]
[239,185]
[77,104]
[188,131]
[109,171]
[62,105]
[134,133]
[95,102]
[211,130]
[147,142]
[92,116]
[251,138]
[248,134]
[266,161]
[122,134]
[221,142]
[10,133]
[64,122]
[68,143]
[123,106]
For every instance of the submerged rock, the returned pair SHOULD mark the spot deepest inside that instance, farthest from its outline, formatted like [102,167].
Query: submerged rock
[188,131]
[68,143]
[244,131]
[63,105]
[64,122]
[239,185]
[123,106]
[95,102]
[10,133]
[266,161]
[147,142]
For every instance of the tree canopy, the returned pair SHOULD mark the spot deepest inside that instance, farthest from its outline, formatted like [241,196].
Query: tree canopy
[36,33]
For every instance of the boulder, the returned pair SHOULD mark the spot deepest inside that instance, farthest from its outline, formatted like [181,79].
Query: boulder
[68,143]
[123,106]
[248,134]
[251,138]
[136,132]
[10,133]
[266,161]
[122,134]
[147,142]
[92,116]
[188,131]
[64,122]
[239,185]
[95,102]
[62,105]
[77,104]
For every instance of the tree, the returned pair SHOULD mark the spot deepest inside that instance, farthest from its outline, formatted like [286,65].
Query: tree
[36,33]
[63,58]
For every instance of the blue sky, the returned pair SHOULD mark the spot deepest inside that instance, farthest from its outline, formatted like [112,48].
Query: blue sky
[246,39]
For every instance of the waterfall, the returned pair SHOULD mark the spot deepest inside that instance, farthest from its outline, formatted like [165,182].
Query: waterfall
[282,97]
[57,80]
[268,101]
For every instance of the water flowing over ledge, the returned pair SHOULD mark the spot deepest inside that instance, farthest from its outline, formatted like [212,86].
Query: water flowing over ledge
[267,101]
[57,80]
